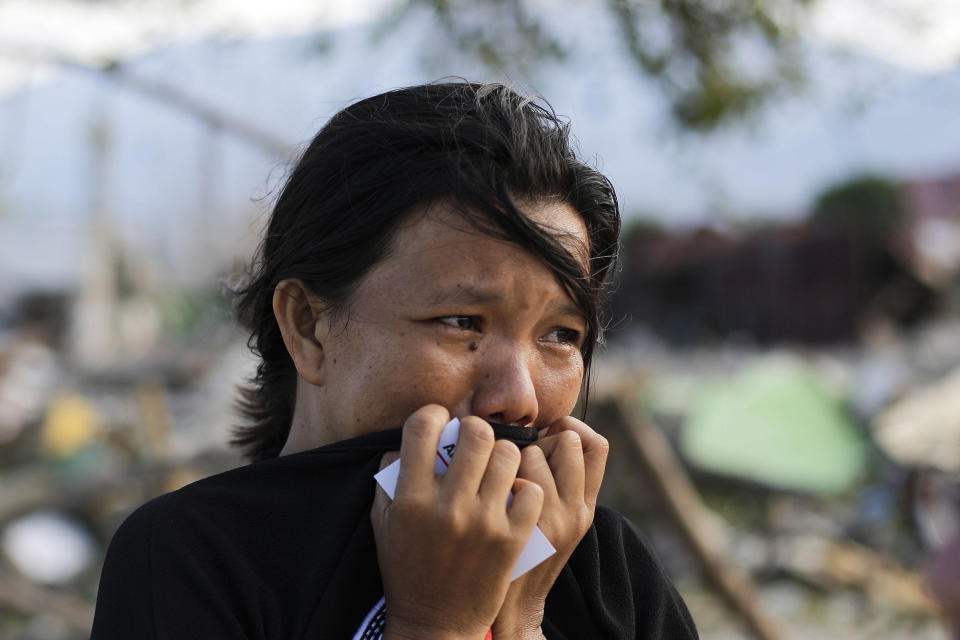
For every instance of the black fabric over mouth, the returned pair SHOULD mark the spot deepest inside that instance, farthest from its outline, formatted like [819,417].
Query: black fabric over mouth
[520,436]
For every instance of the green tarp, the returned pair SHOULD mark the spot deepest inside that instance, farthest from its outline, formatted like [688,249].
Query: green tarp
[774,423]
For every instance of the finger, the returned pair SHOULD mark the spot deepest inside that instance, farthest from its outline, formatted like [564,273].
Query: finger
[564,454]
[418,450]
[595,448]
[474,445]
[535,468]
[526,507]
[500,474]
[378,512]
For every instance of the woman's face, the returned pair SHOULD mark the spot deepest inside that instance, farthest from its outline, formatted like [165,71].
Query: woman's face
[456,318]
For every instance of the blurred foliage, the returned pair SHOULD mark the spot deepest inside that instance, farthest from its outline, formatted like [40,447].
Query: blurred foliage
[714,60]
[640,228]
[187,312]
[500,34]
[869,205]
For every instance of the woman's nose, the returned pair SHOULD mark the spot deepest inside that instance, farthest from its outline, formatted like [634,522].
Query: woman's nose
[506,391]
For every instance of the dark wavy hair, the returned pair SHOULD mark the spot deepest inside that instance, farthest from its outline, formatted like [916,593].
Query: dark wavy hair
[483,148]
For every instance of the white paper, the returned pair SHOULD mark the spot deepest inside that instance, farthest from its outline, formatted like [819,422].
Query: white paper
[538,548]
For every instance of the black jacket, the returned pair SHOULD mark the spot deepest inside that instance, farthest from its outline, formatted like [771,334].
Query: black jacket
[284,548]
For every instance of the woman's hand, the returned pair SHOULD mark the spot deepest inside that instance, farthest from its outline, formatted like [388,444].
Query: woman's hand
[447,545]
[568,464]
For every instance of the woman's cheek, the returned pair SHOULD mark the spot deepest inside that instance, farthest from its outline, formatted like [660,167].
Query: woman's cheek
[431,375]
[558,392]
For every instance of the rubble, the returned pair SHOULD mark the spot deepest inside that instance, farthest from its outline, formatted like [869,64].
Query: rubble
[48,547]
[923,428]
[822,475]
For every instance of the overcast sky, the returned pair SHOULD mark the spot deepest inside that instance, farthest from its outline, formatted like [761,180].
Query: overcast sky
[916,34]
[771,170]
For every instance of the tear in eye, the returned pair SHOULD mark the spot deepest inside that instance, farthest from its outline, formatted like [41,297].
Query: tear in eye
[467,323]
[564,336]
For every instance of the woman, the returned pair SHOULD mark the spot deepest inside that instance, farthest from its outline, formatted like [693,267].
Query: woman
[437,252]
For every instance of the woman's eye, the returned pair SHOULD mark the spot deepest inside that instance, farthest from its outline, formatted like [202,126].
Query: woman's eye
[564,336]
[467,323]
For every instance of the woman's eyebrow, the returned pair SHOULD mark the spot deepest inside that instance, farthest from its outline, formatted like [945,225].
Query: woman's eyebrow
[473,295]
[568,309]
[467,294]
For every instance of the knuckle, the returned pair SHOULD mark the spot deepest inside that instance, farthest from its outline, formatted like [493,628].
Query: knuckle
[532,456]
[584,520]
[476,430]
[416,428]
[507,451]
[536,491]
[452,520]
[426,420]
[491,522]
[570,438]
[407,512]
[603,445]
[532,494]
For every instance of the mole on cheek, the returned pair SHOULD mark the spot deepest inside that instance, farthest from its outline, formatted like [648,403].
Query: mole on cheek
[474,346]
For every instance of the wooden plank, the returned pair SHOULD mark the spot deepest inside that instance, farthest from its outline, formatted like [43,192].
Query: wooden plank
[693,521]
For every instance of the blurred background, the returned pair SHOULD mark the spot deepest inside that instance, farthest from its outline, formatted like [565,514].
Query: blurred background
[781,379]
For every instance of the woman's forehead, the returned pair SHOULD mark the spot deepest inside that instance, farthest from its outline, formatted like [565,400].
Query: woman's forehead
[440,247]
[564,223]
[556,217]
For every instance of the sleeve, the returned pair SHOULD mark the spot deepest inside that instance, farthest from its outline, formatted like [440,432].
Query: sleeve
[152,586]
[614,587]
